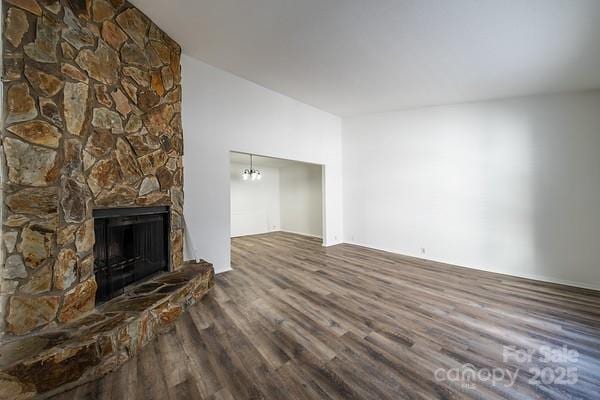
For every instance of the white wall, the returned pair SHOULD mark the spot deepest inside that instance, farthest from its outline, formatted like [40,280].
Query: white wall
[508,186]
[300,188]
[222,112]
[254,204]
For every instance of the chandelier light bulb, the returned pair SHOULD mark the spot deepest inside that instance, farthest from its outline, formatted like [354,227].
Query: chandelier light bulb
[251,174]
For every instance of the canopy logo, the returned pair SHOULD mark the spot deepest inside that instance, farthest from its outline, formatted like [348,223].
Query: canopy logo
[543,366]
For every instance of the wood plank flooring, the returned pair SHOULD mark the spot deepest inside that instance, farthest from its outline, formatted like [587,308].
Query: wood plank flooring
[295,320]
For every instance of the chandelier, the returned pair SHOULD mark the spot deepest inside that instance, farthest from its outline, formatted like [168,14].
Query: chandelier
[252,174]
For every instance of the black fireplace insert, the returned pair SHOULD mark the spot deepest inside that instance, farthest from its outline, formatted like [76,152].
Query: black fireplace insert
[131,244]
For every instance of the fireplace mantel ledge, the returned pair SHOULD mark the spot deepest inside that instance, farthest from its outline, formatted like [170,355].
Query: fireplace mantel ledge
[44,364]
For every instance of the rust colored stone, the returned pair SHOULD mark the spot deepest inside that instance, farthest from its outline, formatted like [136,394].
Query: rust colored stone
[102,95]
[73,72]
[78,301]
[16,26]
[113,35]
[46,83]
[27,313]
[37,132]
[29,5]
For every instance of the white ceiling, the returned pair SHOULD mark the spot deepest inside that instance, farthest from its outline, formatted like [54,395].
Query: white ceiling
[358,56]
[260,161]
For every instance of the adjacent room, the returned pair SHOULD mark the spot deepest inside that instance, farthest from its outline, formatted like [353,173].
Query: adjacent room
[274,199]
[275,195]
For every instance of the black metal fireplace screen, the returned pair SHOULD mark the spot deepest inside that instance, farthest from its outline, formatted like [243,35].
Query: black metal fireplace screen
[131,244]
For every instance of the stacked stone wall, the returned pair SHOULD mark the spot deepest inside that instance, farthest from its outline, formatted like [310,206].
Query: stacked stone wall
[91,119]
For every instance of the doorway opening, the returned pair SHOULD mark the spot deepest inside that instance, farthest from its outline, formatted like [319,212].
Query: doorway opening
[275,195]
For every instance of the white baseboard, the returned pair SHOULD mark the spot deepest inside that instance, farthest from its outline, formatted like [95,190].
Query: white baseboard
[534,277]
[222,270]
[300,233]
[217,270]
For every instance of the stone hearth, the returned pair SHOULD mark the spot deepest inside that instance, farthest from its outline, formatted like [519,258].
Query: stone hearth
[56,360]
[91,119]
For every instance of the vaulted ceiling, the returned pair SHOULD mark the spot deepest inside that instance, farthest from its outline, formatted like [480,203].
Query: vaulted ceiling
[359,56]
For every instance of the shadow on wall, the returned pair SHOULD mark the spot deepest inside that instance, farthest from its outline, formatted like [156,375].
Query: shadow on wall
[539,188]
[565,143]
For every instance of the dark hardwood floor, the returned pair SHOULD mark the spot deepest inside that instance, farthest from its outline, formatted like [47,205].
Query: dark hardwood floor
[295,320]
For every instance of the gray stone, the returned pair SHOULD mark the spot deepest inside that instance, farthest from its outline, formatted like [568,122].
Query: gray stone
[134,124]
[43,49]
[36,244]
[51,5]
[88,160]
[177,200]
[130,89]
[76,34]
[149,185]
[106,119]
[132,54]
[10,240]
[140,77]
[73,200]
[135,24]
[14,268]
[39,282]
[75,106]
[101,65]
[20,105]
[30,165]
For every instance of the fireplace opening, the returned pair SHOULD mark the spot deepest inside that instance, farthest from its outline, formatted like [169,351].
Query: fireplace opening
[131,245]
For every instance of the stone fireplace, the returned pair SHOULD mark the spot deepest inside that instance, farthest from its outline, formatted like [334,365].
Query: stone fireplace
[92,192]
[92,121]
